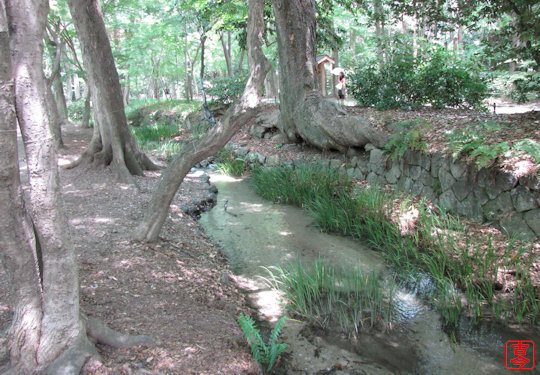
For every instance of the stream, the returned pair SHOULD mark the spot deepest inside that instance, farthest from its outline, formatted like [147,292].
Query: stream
[255,233]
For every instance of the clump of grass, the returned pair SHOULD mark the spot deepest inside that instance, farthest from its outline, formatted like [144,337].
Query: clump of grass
[457,265]
[149,111]
[231,165]
[158,137]
[326,295]
[298,186]
[154,133]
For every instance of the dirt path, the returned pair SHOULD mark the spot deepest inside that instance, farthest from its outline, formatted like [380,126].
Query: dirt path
[179,290]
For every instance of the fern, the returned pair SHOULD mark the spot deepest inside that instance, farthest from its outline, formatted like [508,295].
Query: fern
[408,136]
[485,154]
[530,147]
[265,355]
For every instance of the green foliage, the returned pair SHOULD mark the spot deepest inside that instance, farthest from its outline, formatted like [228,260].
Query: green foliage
[265,354]
[231,165]
[448,81]
[300,185]
[76,110]
[468,142]
[325,295]
[147,112]
[405,81]
[408,135]
[434,246]
[226,90]
[158,137]
[526,87]
[156,123]
[529,146]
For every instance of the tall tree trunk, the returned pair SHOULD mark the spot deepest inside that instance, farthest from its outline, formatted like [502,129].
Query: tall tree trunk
[87,109]
[335,80]
[188,92]
[226,53]
[195,151]
[54,296]
[58,89]
[305,114]
[240,68]
[16,231]
[116,145]
[55,49]
[48,334]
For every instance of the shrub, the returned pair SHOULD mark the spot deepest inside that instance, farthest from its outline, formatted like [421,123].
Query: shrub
[226,90]
[448,81]
[525,86]
[76,110]
[431,77]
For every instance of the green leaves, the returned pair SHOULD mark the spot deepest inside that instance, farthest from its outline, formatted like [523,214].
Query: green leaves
[409,136]
[265,354]
[407,79]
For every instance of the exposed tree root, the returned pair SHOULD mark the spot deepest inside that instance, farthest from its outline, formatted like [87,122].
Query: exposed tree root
[72,360]
[100,333]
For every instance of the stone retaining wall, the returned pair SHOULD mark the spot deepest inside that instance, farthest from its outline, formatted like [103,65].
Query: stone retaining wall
[487,195]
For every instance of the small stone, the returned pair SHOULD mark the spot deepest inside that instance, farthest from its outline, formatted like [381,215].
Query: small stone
[225,278]
[272,160]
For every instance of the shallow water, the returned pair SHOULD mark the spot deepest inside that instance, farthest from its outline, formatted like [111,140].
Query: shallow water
[255,233]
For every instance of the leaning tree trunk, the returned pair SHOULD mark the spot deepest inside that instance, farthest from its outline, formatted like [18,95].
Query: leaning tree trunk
[48,334]
[195,151]
[304,113]
[115,145]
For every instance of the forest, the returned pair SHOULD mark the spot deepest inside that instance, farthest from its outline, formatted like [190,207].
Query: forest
[410,127]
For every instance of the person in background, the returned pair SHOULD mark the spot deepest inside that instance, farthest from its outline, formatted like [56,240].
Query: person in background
[341,88]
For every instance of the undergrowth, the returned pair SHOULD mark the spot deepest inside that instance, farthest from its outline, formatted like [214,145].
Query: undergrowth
[330,296]
[266,354]
[230,164]
[457,265]
[408,136]
[158,136]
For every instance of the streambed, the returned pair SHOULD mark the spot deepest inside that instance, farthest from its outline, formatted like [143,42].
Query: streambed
[255,233]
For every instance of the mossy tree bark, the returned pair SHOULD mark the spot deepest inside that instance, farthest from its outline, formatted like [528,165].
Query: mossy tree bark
[112,143]
[236,116]
[305,114]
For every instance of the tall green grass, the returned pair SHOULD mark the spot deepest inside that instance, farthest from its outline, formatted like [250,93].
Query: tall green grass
[157,122]
[158,137]
[326,296]
[231,165]
[436,246]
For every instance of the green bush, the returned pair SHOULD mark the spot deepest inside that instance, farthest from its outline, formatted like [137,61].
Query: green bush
[226,90]
[526,87]
[404,80]
[447,81]
[76,110]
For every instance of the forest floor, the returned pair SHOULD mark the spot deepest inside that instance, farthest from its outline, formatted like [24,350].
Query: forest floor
[179,290]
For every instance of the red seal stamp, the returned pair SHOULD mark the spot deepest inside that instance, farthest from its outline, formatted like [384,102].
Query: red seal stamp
[519,354]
